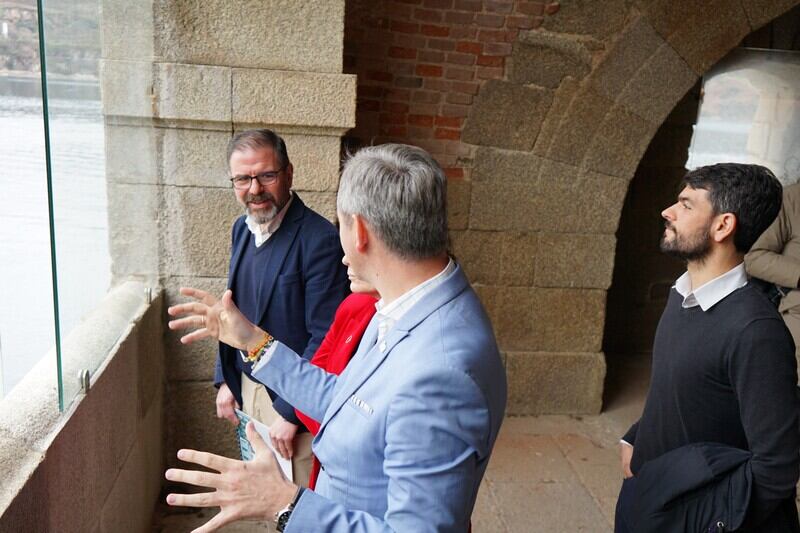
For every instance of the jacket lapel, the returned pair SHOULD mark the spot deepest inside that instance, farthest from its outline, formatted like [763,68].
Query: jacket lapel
[283,239]
[238,250]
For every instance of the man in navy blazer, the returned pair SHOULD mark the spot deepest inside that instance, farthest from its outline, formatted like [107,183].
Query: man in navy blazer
[408,428]
[287,274]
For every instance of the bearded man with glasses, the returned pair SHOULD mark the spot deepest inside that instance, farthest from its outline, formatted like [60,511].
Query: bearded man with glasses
[287,275]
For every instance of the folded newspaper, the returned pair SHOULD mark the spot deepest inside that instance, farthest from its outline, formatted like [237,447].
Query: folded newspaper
[247,448]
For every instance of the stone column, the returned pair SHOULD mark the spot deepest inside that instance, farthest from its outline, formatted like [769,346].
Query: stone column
[184,77]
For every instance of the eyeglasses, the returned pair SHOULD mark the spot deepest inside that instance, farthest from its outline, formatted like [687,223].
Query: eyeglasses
[265,178]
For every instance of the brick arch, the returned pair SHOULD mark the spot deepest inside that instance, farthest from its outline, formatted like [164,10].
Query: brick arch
[556,144]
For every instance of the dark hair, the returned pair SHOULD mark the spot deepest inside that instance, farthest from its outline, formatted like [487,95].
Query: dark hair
[256,139]
[751,192]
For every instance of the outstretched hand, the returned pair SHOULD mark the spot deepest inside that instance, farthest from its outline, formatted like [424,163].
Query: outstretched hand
[254,489]
[218,319]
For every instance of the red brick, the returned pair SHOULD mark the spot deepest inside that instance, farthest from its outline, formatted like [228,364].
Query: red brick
[420,120]
[402,53]
[490,21]
[461,59]
[424,109]
[458,149]
[455,110]
[431,56]
[428,15]
[398,95]
[443,133]
[379,76]
[530,8]
[497,49]
[463,32]
[448,122]
[408,40]
[368,91]
[459,98]
[426,97]
[394,131]
[537,22]
[441,44]
[434,31]
[379,51]
[454,17]
[446,161]
[404,27]
[552,9]
[496,6]
[491,61]
[497,36]
[409,82]
[454,173]
[460,74]
[487,73]
[377,36]
[393,118]
[376,22]
[437,84]
[369,105]
[419,133]
[395,107]
[469,47]
[523,23]
[399,11]
[405,68]
[409,1]
[439,4]
[430,71]
[466,88]
[468,5]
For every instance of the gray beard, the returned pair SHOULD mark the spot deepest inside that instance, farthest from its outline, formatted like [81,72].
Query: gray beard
[263,216]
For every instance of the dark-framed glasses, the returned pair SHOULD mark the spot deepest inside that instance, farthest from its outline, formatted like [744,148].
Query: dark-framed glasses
[265,178]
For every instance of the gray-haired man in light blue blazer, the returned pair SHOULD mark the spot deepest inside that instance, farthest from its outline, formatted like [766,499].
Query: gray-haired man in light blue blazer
[408,428]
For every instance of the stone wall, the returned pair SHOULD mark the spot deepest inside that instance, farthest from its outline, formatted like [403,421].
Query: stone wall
[98,466]
[540,141]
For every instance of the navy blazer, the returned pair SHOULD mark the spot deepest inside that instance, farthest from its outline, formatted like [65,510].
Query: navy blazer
[305,281]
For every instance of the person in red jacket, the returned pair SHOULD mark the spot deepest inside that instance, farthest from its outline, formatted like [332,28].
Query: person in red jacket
[340,343]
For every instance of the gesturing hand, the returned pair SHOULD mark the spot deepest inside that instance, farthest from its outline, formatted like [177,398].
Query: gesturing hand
[219,319]
[253,489]
[282,433]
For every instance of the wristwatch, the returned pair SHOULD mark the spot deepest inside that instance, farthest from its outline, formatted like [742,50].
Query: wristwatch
[282,517]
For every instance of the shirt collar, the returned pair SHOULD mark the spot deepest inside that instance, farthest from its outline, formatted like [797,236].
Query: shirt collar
[711,292]
[262,236]
[390,314]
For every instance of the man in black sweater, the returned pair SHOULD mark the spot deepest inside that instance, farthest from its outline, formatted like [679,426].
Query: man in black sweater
[723,361]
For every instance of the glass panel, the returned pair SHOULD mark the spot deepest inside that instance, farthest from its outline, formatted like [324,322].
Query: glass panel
[750,113]
[26,316]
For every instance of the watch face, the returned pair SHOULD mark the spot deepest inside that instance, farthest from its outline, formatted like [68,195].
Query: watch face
[283,519]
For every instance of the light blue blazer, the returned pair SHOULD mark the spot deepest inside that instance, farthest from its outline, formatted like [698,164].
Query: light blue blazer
[408,427]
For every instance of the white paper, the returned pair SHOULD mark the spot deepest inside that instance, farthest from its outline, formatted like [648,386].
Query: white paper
[263,430]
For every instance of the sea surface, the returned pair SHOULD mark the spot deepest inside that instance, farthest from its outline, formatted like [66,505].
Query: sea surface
[27,328]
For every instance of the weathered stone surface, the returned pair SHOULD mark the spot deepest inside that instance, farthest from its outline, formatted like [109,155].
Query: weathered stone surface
[458,203]
[294,98]
[759,12]
[195,157]
[546,59]
[557,320]
[196,231]
[134,250]
[283,35]
[23,510]
[562,98]
[510,207]
[127,88]
[495,258]
[643,73]
[619,143]
[131,154]
[541,382]
[150,357]
[586,17]
[189,362]
[323,203]
[498,166]
[192,422]
[574,260]
[192,92]
[578,126]
[135,21]
[701,33]
[537,455]
[316,161]
[506,115]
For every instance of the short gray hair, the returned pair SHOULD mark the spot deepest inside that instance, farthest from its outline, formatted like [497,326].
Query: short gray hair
[256,140]
[401,192]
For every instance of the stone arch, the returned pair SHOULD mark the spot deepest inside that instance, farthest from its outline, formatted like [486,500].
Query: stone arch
[557,144]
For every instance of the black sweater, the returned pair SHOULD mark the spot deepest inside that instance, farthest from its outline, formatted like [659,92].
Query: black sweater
[726,375]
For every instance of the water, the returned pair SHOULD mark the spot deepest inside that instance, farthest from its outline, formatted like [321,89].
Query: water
[81,224]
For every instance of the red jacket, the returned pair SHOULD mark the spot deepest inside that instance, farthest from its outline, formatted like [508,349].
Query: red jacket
[340,343]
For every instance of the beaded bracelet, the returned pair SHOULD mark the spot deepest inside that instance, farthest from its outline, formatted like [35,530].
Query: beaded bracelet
[255,354]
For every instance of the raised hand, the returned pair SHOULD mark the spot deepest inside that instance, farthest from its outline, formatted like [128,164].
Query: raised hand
[255,489]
